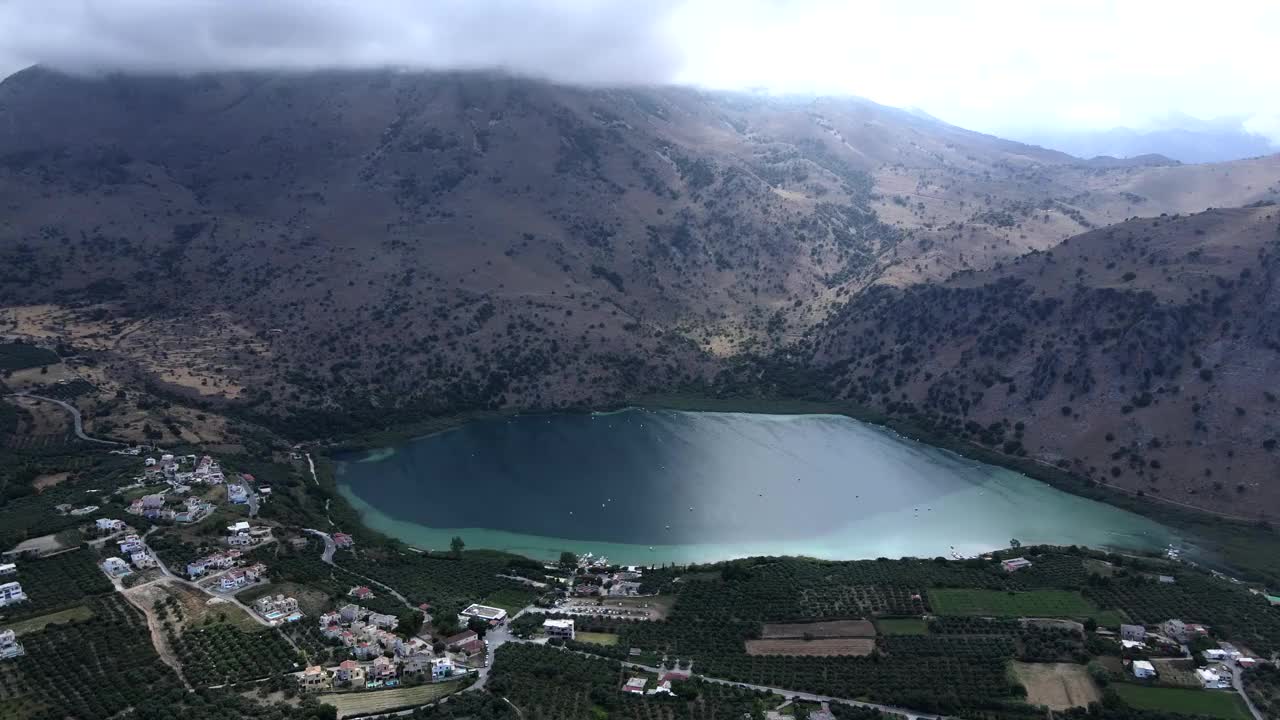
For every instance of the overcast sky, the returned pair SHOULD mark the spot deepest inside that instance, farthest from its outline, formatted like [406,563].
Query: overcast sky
[993,65]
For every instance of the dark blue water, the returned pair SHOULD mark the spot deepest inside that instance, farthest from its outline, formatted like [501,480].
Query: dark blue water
[713,485]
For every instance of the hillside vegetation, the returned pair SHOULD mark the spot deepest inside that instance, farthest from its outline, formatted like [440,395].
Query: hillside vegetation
[330,253]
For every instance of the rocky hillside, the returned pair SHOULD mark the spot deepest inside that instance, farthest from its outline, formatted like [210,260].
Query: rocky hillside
[1142,355]
[344,248]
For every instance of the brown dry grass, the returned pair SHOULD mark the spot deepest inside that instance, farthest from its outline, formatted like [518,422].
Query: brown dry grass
[1058,686]
[829,647]
[829,629]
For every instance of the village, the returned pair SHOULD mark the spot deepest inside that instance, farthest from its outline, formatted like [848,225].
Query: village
[186,540]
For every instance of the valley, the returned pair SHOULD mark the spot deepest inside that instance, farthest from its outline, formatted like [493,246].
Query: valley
[321,255]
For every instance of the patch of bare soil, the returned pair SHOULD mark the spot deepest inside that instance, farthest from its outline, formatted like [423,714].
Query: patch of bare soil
[1058,686]
[46,481]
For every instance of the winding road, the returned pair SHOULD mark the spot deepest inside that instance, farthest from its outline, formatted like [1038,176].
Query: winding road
[75,418]
[327,557]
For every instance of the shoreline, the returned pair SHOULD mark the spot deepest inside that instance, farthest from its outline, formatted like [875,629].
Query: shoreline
[1249,547]
[881,531]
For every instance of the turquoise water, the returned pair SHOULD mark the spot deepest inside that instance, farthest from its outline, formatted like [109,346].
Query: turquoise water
[653,486]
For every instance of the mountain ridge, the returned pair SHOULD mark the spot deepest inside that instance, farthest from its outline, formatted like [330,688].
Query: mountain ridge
[318,246]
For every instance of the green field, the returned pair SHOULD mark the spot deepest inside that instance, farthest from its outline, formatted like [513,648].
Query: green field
[902,626]
[596,638]
[509,599]
[79,612]
[1210,703]
[1036,603]
[376,701]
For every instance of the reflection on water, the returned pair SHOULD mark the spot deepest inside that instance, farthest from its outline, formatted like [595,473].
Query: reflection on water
[706,486]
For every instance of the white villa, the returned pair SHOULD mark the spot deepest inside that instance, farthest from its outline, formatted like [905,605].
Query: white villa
[116,567]
[9,646]
[11,593]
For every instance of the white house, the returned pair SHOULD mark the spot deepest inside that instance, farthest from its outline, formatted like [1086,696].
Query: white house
[240,540]
[1143,669]
[10,593]
[116,566]
[491,615]
[441,668]
[1212,680]
[143,560]
[8,569]
[1136,633]
[9,646]
[384,621]
[558,628]
[233,580]
[1013,564]
[109,525]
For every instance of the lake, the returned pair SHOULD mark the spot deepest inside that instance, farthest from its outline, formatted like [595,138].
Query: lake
[655,486]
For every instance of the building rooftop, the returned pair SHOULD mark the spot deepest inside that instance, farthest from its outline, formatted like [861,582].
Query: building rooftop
[485,612]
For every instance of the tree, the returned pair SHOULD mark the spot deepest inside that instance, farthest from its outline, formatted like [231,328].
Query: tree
[456,546]
[410,622]
[568,560]
[478,626]
[1015,544]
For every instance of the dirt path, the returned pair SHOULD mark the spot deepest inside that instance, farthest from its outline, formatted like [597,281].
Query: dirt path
[137,597]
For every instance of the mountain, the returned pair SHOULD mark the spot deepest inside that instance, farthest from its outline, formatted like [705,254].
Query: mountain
[1183,139]
[1137,355]
[330,252]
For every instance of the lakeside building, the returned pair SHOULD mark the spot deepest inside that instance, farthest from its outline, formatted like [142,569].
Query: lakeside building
[558,629]
[491,615]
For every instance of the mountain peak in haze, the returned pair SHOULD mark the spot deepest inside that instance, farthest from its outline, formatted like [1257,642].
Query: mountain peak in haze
[1176,136]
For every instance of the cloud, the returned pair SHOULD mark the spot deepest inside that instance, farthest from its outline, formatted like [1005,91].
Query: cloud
[991,65]
[587,41]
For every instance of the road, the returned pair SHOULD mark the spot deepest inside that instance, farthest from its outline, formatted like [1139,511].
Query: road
[75,418]
[327,556]
[164,570]
[1237,682]
[501,635]
[312,464]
